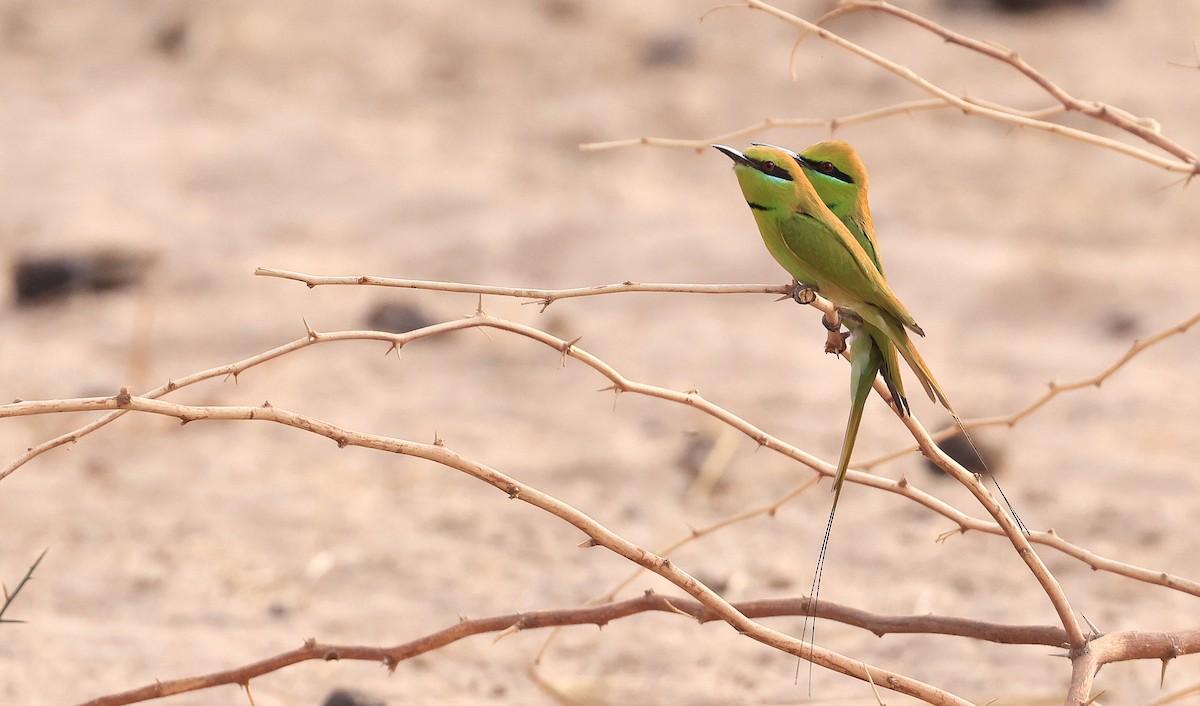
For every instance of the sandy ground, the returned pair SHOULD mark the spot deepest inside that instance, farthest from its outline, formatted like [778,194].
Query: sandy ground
[438,140]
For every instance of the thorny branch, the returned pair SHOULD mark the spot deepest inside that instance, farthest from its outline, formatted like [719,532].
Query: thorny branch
[902,487]
[692,399]
[601,615]
[1145,129]
[547,296]
[1054,390]
[598,534]
[624,384]
[1181,643]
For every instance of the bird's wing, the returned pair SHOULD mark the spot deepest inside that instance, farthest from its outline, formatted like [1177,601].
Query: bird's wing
[829,248]
[864,233]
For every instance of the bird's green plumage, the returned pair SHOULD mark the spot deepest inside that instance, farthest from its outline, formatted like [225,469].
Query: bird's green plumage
[840,180]
[824,237]
[816,248]
[866,358]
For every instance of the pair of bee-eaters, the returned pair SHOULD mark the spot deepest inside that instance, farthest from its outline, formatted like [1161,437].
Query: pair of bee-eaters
[811,208]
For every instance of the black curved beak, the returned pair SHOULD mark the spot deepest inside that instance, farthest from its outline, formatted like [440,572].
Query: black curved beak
[737,157]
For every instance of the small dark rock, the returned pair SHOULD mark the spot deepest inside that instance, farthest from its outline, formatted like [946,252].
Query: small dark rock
[171,38]
[1021,7]
[561,10]
[42,279]
[278,609]
[1120,325]
[398,318]
[351,697]
[1015,6]
[958,447]
[667,50]
[696,448]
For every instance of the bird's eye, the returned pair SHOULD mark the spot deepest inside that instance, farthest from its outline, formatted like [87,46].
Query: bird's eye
[826,167]
[768,166]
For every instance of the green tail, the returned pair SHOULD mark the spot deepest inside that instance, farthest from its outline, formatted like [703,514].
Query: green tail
[866,359]
[890,368]
[891,329]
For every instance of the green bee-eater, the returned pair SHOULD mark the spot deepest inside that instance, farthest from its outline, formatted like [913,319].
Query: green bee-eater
[840,180]
[819,229]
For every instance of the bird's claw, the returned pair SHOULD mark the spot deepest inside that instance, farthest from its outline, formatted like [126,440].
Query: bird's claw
[835,342]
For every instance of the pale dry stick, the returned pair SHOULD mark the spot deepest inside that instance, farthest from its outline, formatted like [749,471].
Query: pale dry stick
[391,657]
[769,510]
[566,348]
[544,685]
[1055,389]
[544,296]
[598,534]
[621,384]
[548,296]
[1008,527]
[1015,534]
[1146,129]
[1188,165]
[1036,114]
[232,369]
[906,108]
[695,534]
[1108,648]
[901,487]
[1121,647]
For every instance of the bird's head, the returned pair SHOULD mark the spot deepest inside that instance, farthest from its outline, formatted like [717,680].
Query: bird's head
[769,176]
[835,171]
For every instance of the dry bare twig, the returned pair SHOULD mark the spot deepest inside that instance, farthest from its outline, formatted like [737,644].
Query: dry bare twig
[566,348]
[1184,161]
[1146,129]
[1196,53]
[965,522]
[1055,389]
[907,108]
[231,370]
[1119,646]
[901,487]
[1087,653]
[598,534]
[545,297]
[600,616]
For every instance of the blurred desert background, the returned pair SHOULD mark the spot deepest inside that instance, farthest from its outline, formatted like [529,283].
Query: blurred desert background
[439,140]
